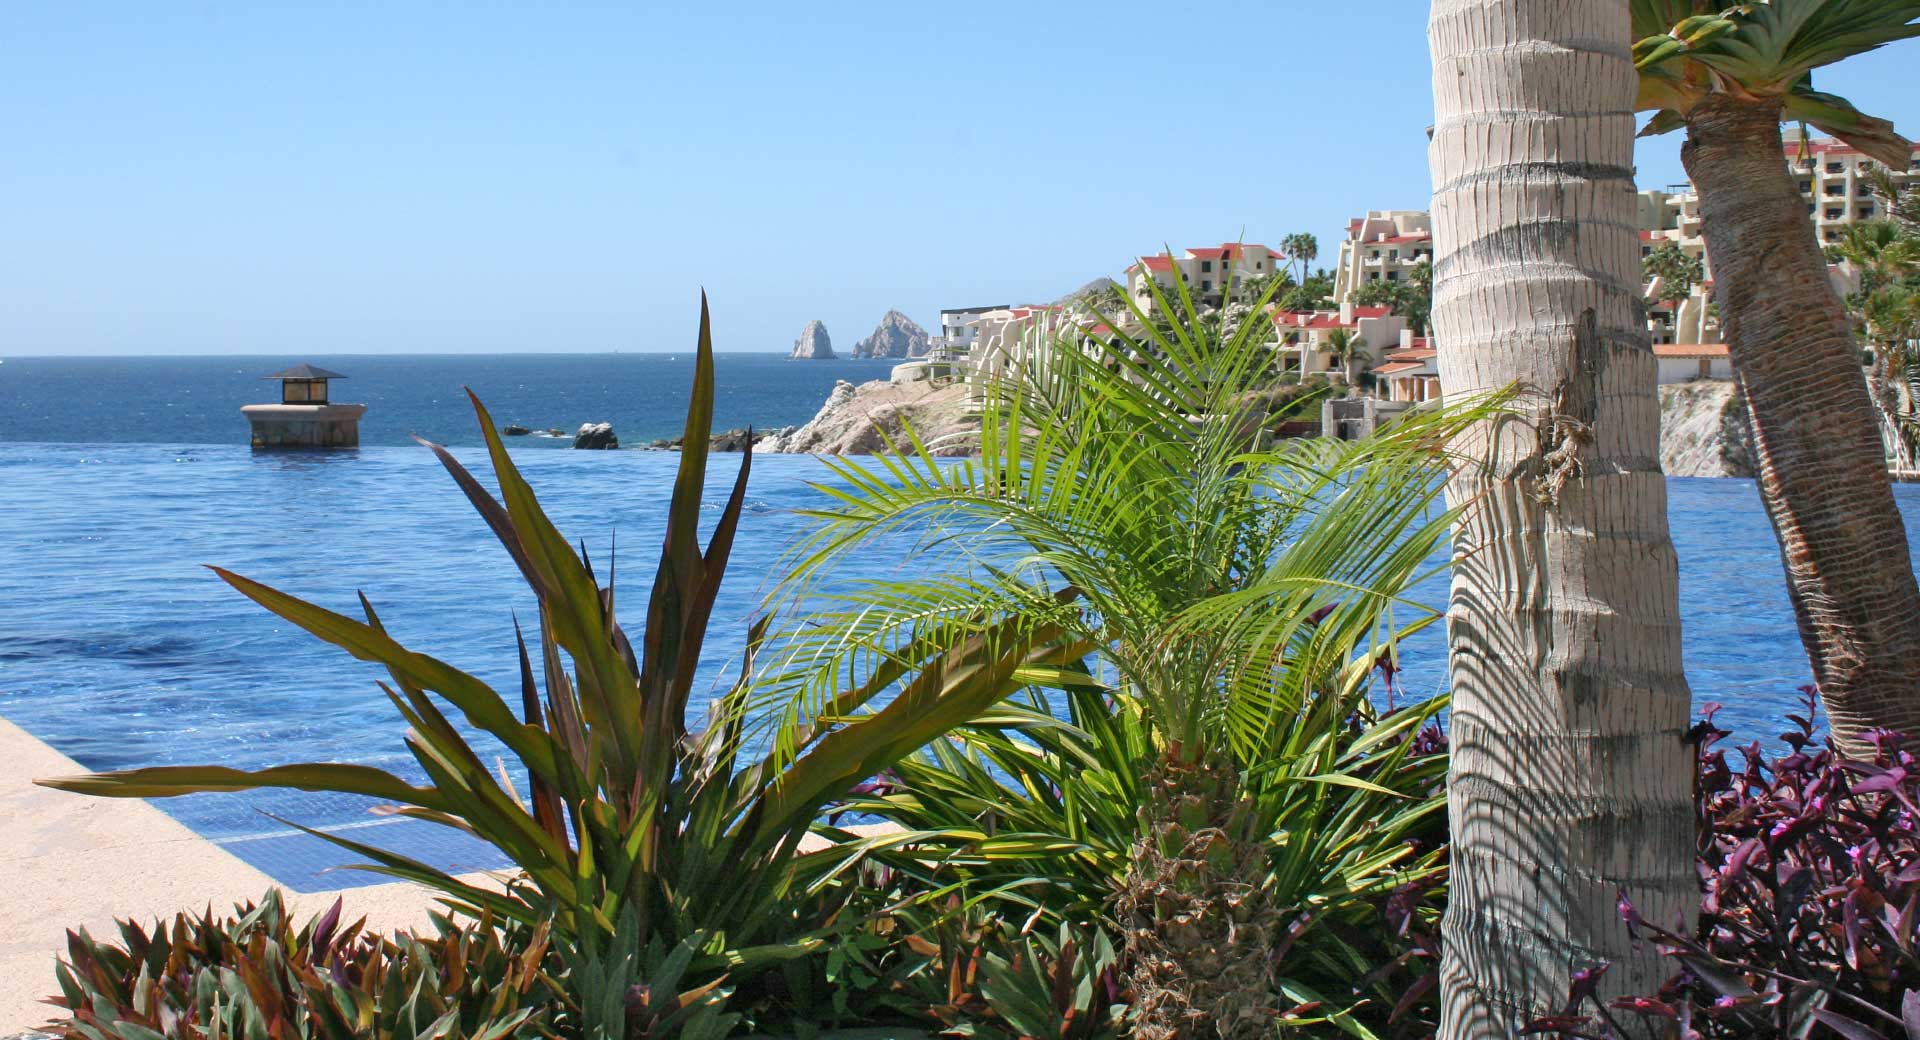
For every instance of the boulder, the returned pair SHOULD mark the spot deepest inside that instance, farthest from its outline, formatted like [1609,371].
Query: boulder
[596,436]
[515,430]
[814,344]
[897,336]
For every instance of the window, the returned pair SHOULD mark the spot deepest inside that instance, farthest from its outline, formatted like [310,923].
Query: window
[1206,285]
[1393,276]
[1206,265]
[1836,189]
[1834,167]
[1834,213]
[1646,251]
[1259,264]
[1806,187]
[1866,213]
[1373,254]
[1393,254]
[1866,190]
[1832,235]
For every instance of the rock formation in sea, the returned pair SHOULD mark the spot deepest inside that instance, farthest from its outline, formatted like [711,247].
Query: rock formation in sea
[515,430]
[1703,430]
[898,336]
[814,344]
[598,436]
[866,419]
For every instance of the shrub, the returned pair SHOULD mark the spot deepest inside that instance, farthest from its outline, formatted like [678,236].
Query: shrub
[254,975]
[1810,879]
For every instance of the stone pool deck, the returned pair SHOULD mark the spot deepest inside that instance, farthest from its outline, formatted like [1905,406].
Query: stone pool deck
[71,861]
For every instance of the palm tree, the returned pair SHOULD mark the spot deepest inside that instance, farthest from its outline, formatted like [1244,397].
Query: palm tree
[1569,780]
[1353,355]
[1227,589]
[1302,248]
[1729,78]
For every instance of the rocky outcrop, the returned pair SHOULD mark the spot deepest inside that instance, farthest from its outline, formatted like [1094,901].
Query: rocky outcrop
[515,430]
[596,436]
[814,344]
[1703,430]
[898,336]
[735,439]
[866,419]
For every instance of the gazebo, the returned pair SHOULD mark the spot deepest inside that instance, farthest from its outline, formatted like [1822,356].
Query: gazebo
[304,384]
[305,416]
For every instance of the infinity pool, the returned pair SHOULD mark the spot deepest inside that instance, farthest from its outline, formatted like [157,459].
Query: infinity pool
[118,649]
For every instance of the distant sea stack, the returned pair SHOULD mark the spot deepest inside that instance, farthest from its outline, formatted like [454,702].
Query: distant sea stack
[813,344]
[897,337]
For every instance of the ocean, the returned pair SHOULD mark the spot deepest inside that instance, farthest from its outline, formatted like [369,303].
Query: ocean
[196,400]
[119,478]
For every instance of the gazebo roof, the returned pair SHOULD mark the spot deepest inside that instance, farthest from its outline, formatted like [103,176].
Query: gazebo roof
[305,372]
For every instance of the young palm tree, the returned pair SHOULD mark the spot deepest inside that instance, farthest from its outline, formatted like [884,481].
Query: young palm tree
[1228,589]
[1569,779]
[1729,78]
[1353,355]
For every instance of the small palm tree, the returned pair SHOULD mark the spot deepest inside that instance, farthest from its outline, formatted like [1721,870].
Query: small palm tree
[1354,358]
[1226,590]
[1729,77]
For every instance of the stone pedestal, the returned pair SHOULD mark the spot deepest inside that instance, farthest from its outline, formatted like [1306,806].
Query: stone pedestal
[305,425]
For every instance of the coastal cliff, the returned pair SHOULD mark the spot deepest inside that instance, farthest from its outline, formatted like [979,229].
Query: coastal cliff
[1703,430]
[864,419]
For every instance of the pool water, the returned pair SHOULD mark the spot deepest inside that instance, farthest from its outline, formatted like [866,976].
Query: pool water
[120,650]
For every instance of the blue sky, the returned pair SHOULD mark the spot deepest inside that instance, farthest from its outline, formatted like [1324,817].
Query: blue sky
[411,177]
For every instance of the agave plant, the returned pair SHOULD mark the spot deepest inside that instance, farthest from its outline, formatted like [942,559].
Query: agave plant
[636,833]
[1729,74]
[1235,596]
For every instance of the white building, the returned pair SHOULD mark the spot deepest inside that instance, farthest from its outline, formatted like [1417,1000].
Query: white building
[1207,271]
[1383,246]
[1836,181]
[960,328]
[1409,374]
[1684,362]
[1305,338]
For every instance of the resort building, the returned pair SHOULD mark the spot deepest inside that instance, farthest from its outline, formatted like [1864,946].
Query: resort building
[1836,180]
[1207,271]
[1409,374]
[960,329]
[1307,345]
[1383,246]
[1681,363]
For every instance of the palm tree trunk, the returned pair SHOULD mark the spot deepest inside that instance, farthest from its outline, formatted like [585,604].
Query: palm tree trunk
[1816,438]
[1570,781]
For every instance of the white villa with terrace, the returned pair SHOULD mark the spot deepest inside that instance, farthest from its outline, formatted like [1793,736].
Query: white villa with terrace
[1207,270]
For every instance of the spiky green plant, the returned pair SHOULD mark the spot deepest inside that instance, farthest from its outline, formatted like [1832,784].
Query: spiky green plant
[636,833]
[255,974]
[1230,592]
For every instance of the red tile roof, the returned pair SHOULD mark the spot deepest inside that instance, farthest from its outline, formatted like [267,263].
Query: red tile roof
[1690,350]
[1401,240]
[1154,263]
[1421,354]
[1398,367]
